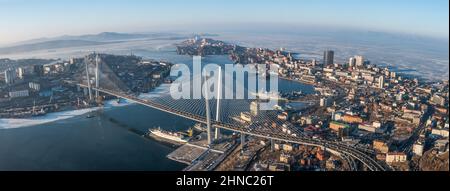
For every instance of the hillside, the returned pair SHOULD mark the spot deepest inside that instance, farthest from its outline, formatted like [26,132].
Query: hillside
[48,45]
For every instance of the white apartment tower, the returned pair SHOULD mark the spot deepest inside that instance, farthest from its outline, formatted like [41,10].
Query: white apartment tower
[359,61]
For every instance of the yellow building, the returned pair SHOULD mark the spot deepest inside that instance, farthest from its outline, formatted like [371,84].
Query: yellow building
[352,119]
[380,146]
[336,126]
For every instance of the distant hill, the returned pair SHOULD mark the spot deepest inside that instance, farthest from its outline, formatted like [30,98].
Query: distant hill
[104,37]
[54,44]
[84,40]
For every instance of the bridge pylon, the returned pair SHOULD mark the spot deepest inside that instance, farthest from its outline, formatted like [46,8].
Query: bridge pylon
[88,80]
[97,80]
[208,113]
[219,96]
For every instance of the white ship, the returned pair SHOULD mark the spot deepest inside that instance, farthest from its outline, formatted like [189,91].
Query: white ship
[267,95]
[166,135]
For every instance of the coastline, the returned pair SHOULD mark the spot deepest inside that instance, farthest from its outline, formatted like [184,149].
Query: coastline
[298,81]
[13,123]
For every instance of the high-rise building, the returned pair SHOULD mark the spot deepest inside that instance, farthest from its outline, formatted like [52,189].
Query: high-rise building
[359,61]
[324,102]
[20,72]
[38,70]
[351,62]
[393,75]
[34,86]
[418,148]
[328,57]
[381,82]
[10,76]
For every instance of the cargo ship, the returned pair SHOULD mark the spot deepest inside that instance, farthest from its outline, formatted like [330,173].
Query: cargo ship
[172,137]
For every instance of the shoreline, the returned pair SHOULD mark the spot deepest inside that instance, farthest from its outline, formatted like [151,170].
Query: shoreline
[14,123]
[298,81]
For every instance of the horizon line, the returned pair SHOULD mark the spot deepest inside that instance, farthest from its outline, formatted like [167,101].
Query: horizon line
[245,27]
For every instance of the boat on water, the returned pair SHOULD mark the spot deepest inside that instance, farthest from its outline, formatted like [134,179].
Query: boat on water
[39,113]
[167,135]
[267,95]
[200,127]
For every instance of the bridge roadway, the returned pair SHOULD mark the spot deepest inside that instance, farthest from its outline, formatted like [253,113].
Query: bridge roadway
[361,154]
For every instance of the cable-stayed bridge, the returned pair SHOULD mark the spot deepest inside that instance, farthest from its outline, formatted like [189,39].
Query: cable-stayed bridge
[225,115]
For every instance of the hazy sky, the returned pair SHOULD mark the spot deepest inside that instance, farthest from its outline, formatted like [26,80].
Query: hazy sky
[27,19]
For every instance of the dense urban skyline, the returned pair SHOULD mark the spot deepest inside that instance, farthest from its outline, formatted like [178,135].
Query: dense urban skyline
[35,19]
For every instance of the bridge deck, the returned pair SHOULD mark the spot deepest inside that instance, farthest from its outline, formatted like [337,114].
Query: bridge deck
[258,129]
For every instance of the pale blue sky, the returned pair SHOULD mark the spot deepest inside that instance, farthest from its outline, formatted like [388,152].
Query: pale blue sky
[27,19]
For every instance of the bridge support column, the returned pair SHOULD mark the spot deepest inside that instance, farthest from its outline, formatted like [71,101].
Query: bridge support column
[242,141]
[217,134]
[272,145]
